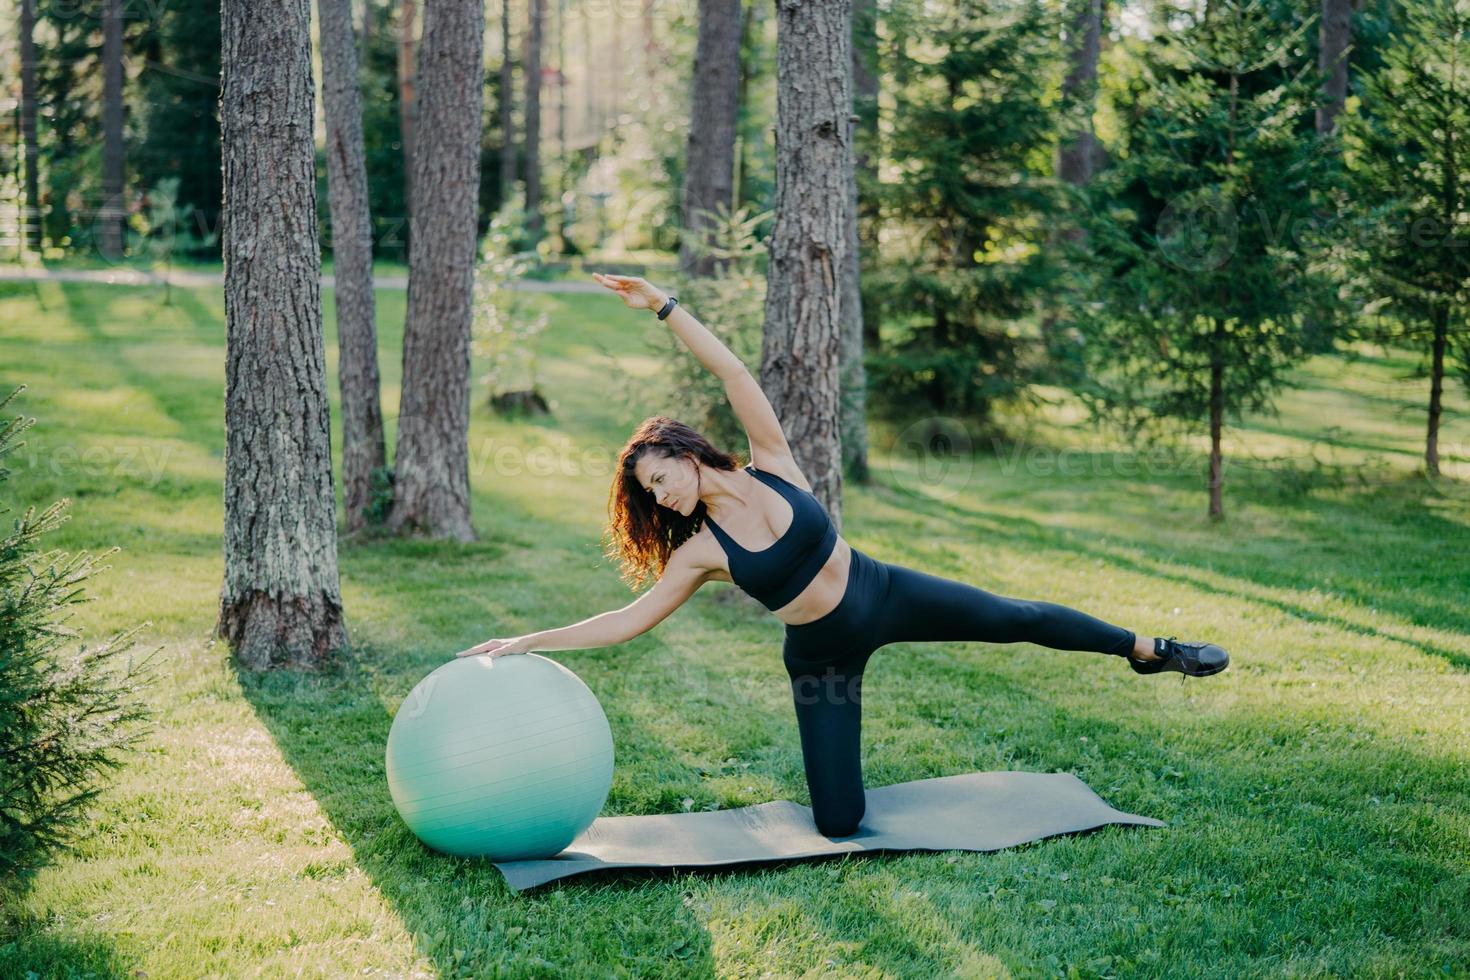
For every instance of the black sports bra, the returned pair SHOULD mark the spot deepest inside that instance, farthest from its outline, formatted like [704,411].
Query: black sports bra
[776,575]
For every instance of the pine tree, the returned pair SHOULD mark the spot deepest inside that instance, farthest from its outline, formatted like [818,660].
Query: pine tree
[973,145]
[1200,231]
[1409,162]
[64,716]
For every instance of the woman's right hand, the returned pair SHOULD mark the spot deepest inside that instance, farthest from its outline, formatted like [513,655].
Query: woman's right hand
[637,293]
[498,647]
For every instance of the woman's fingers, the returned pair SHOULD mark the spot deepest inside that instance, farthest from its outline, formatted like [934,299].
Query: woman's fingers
[489,646]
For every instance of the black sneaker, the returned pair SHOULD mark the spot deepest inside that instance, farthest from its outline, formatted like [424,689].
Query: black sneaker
[1193,659]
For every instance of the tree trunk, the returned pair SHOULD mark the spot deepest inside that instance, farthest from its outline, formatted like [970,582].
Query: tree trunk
[1436,389]
[800,350]
[1334,34]
[114,208]
[407,110]
[431,475]
[352,253]
[748,67]
[854,373]
[1077,151]
[369,26]
[561,124]
[280,603]
[1217,418]
[533,121]
[32,223]
[709,171]
[507,109]
[865,98]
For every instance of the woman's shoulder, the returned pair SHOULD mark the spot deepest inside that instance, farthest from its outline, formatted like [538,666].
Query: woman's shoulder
[782,465]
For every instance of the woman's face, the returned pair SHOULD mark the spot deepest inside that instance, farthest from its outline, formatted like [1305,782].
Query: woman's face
[673,482]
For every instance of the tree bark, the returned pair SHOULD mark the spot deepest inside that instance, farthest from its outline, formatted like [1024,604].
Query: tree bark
[352,253]
[749,66]
[709,170]
[534,41]
[431,478]
[1436,389]
[369,24]
[114,208]
[32,222]
[801,347]
[1077,153]
[507,109]
[407,110]
[1334,34]
[280,603]
[854,373]
[561,123]
[1217,424]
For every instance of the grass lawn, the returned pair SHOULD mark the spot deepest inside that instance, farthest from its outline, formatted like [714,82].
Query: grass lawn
[1316,792]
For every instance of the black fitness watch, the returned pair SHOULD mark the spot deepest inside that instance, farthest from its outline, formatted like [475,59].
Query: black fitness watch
[668,307]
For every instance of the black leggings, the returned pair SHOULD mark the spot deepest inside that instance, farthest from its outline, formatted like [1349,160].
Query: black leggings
[887,603]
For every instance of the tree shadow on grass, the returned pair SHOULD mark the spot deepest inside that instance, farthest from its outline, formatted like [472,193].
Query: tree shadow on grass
[32,946]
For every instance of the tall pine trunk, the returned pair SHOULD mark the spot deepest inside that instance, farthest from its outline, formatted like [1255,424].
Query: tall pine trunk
[1077,151]
[280,603]
[32,221]
[407,102]
[431,473]
[801,346]
[709,172]
[854,373]
[369,25]
[507,109]
[534,41]
[1334,34]
[352,254]
[1436,389]
[1217,423]
[114,208]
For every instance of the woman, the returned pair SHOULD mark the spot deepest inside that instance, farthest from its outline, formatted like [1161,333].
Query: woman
[687,513]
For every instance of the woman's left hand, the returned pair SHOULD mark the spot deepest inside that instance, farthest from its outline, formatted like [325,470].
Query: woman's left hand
[637,293]
[499,647]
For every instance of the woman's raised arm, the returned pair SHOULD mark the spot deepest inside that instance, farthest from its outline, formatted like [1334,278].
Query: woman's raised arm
[640,294]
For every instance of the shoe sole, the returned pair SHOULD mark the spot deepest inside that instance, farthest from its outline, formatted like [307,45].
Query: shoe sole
[1175,670]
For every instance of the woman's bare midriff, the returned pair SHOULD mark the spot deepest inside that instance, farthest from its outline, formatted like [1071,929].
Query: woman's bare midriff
[821,595]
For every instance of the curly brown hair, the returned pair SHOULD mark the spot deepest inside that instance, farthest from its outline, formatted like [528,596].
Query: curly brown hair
[643,534]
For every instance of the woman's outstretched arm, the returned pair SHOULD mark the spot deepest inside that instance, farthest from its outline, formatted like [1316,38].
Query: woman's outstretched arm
[747,400]
[640,294]
[680,580]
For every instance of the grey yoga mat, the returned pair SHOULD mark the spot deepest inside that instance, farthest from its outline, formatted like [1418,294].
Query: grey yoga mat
[977,811]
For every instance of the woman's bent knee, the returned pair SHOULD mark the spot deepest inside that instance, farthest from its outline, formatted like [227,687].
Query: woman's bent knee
[838,824]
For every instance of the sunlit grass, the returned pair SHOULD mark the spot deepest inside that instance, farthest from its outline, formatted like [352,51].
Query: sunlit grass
[1315,792]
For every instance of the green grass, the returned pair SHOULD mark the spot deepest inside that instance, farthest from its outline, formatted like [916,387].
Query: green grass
[1316,792]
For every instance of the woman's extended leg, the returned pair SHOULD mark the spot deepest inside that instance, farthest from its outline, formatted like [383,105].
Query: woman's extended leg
[922,607]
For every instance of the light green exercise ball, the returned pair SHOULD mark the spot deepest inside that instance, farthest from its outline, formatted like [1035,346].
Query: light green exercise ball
[505,758]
